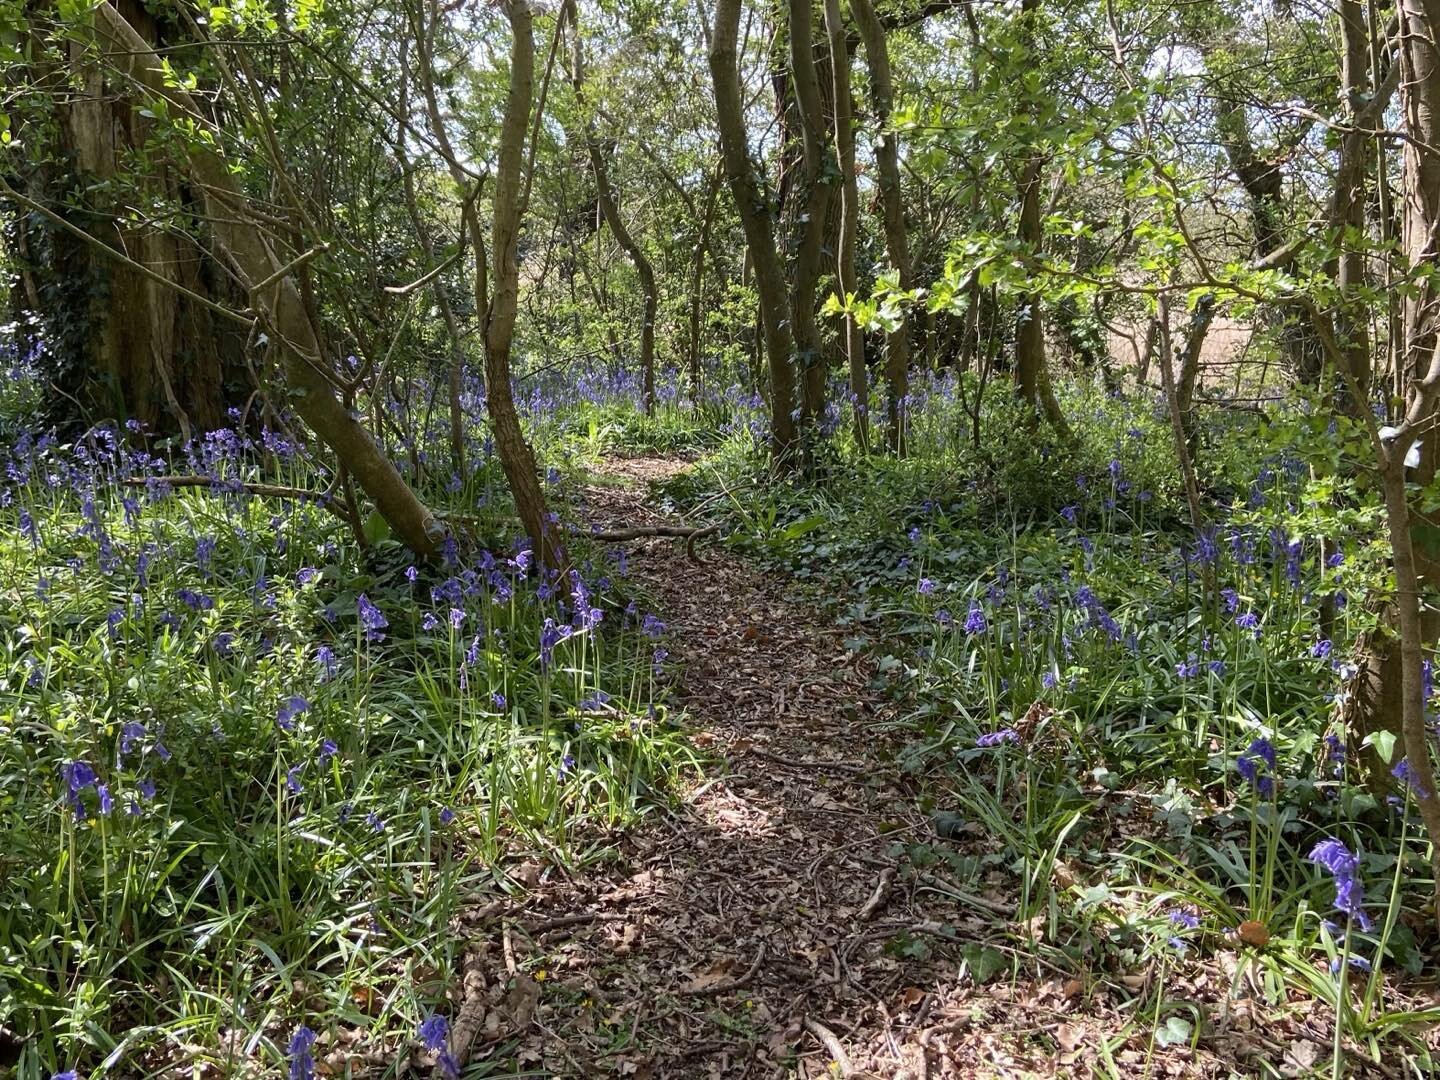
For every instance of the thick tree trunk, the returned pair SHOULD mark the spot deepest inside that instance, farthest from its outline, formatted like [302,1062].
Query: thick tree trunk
[897,244]
[849,216]
[758,220]
[120,344]
[312,392]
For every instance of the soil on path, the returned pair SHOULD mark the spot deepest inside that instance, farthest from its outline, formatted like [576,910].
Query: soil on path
[766,927]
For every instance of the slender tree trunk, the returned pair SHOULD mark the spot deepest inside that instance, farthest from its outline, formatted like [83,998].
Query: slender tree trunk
[1032,377]
[500,309]
[697,280]
[812,209]
[1416,561]
[1348,204]
[849,216]
[610,208]
[757,217]
[312,391]
[516,457]
[897,244]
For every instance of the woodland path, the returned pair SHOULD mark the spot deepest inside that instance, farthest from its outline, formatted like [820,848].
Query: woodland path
[743,934]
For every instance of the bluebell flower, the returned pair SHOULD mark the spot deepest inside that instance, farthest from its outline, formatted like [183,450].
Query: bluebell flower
[1321,649]
[130,733]
[430,623]
[328,749]
[997,738]
[434,1030]
[292,779]
[498,700]
[1357,962]
[1184,918]
[1344,867]
[1405,773]
[1248,621]
[146,787]
[302,1058]
[372,619]
[325,657]
[926,587]
[78,776]
[975,619]
[293,707]
[446,815]
[375,821]
[1260,752]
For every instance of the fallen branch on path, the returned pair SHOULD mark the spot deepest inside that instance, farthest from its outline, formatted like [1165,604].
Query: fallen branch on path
[831,1042]
[578,919]
[689,533]
[882,889]
[223,487]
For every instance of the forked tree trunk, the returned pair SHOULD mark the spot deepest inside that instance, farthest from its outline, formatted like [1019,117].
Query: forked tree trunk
[311,390]
[516,457]
[757,218]
[849,216]
[897,245]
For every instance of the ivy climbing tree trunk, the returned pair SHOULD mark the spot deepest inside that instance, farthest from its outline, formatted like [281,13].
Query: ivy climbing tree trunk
[273,291]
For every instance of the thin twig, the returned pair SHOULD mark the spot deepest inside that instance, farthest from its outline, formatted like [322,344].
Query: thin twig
[730,984]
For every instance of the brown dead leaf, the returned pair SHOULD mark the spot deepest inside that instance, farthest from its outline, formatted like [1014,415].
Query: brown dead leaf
[520,1002]
[368,1000]
[717,974]
[1072,989]
[1068,1037]
[1254,933]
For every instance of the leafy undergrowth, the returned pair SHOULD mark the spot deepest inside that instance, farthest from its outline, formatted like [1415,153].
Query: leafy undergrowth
[252,769]
[1146,773]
